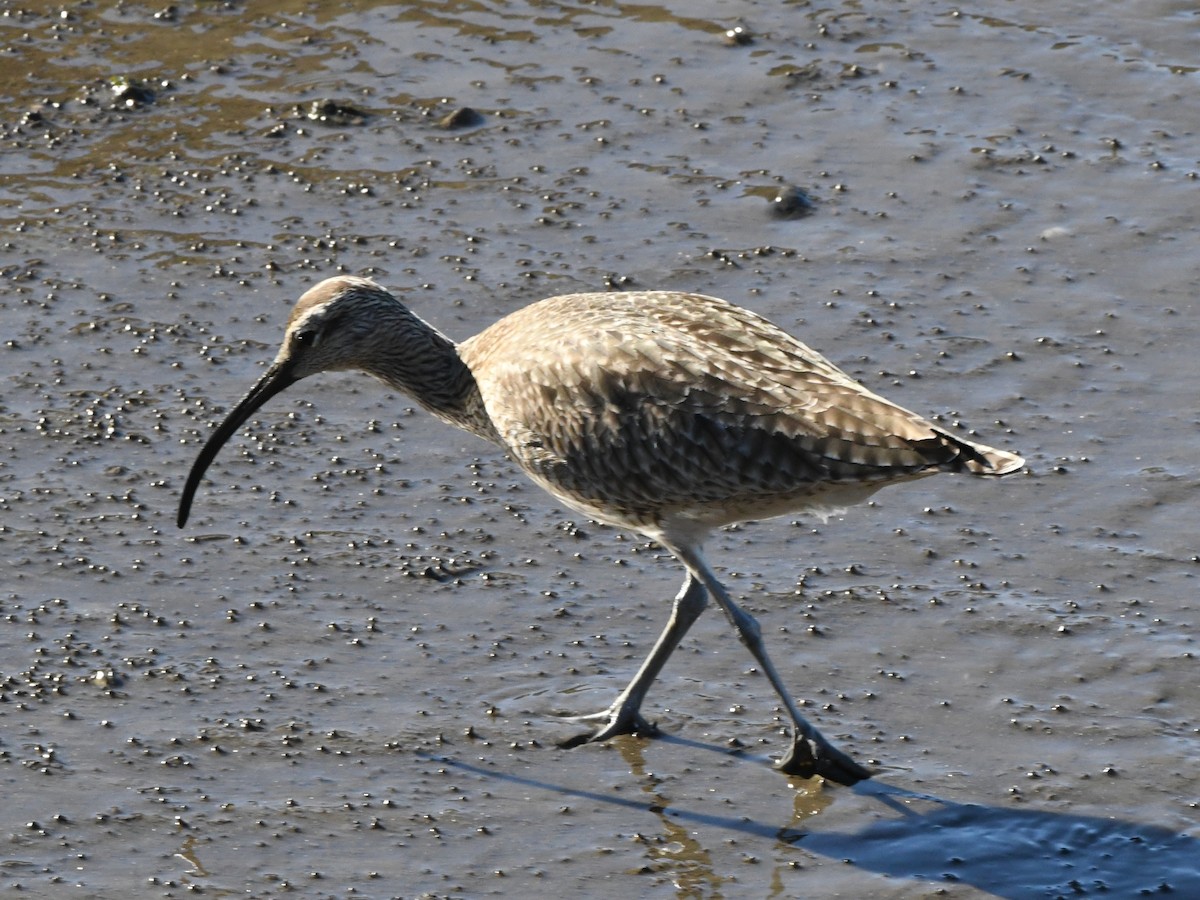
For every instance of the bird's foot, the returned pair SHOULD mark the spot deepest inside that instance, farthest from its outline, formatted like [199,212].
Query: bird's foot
[613,721]
[811,756]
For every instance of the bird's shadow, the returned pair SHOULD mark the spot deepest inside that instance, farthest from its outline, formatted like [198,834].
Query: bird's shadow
[1006,852]
[1015,853]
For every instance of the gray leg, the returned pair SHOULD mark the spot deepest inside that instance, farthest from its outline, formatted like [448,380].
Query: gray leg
[810,753]
[624,716]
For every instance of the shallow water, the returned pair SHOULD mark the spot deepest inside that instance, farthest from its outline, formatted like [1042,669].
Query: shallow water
[343,678]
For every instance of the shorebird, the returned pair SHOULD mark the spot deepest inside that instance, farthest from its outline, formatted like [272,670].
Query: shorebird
[667,413]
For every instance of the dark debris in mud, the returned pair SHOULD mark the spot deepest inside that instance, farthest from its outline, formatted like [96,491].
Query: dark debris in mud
[287,698]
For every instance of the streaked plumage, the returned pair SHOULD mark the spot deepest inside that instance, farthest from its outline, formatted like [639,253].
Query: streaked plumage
[664,412]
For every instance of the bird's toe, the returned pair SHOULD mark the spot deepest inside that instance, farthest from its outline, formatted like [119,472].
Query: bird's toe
[612,723]
[807,758]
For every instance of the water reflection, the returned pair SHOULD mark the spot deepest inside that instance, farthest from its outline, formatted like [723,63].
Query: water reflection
[1013,853]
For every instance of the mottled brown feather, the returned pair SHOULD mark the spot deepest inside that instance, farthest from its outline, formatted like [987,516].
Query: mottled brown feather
[643,406]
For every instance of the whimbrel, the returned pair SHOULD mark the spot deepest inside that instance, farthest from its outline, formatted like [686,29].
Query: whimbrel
[664,412]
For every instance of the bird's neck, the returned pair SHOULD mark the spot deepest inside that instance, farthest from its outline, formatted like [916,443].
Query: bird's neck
[430,371]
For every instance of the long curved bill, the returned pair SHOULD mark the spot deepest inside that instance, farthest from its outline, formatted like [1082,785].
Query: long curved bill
[275,379]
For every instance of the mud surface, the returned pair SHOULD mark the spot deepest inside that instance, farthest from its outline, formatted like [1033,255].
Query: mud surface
[346,676]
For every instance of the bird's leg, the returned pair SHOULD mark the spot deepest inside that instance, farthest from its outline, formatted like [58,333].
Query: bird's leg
[810,754]
[624,715]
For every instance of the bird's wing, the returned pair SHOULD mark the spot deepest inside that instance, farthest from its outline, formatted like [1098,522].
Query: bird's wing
[684,397]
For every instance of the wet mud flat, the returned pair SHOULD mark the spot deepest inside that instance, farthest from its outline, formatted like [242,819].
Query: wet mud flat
[348,675]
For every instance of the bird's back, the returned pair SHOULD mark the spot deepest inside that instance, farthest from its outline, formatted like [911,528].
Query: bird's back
[641,406]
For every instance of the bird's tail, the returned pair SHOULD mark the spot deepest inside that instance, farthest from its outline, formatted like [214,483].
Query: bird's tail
[980,459]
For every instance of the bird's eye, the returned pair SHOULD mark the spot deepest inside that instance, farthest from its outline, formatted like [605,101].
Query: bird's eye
[306,338]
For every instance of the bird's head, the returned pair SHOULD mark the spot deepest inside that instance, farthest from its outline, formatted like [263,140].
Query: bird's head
[335,325]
